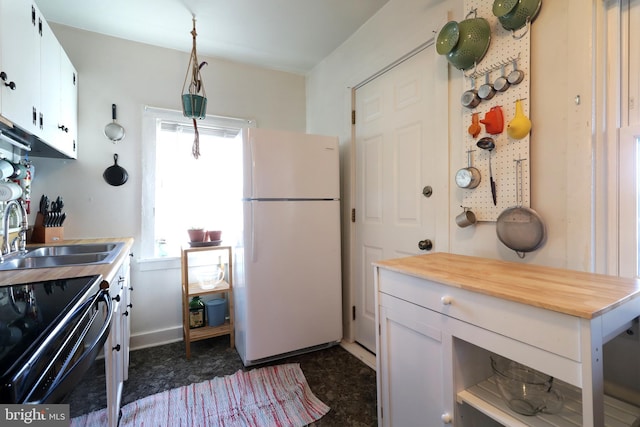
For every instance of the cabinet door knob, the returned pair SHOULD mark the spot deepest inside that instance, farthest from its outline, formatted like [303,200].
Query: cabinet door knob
[446,300]
[4,77]
[116,348]
[446,418]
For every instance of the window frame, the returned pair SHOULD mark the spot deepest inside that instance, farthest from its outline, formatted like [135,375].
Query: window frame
[150,117]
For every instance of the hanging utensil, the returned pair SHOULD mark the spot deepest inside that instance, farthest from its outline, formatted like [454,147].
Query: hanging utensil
[470,98]
[113,130]
[520,125]
[468,177]
[474,128]
[494,120]
[516,76]
[487,143]
[115,175]
[520,228]
[501,84]
[486,91]
[466,218]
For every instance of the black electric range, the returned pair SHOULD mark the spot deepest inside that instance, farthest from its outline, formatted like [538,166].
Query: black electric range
[50,333]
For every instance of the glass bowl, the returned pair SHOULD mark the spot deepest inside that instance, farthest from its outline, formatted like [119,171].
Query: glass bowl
[525,390]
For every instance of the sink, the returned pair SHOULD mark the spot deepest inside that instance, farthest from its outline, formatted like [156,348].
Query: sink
[53,261]
[90,248]
[63,256]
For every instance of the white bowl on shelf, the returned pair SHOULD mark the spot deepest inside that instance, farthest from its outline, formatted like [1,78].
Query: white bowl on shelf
[210,278]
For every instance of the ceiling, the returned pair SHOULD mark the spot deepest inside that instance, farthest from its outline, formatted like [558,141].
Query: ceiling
[288,35]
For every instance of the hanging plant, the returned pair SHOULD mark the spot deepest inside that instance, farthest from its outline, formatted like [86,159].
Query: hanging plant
[194,97]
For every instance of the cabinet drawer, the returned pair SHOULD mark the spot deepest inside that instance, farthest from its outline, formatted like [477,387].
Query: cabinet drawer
[555,332]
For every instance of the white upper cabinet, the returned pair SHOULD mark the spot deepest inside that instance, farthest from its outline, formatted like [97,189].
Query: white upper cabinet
[50,84]
[20,63]
[68,107]
[40,91]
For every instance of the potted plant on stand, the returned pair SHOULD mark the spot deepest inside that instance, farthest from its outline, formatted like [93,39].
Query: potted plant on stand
[194,97]
[197,234]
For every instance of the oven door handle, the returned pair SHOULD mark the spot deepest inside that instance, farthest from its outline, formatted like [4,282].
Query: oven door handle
[72,375]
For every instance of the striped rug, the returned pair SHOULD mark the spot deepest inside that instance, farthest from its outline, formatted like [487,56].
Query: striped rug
[274,396]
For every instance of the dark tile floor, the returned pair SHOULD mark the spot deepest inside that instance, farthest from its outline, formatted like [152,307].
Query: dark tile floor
[340,380]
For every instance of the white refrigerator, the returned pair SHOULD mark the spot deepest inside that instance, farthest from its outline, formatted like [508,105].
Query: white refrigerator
[287,271]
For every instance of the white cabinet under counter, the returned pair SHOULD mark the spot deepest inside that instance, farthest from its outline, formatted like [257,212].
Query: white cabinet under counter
[441,315]
[116,349]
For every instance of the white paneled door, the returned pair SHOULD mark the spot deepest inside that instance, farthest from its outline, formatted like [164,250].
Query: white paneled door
[396,159]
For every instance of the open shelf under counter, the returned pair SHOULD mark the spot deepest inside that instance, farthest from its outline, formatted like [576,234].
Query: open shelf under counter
[486,398]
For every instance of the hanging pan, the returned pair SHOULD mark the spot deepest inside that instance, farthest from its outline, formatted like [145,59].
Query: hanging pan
[113,130]
[518,227]
[115,175]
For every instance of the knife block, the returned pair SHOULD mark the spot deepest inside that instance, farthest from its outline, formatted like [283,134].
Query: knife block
[42,234]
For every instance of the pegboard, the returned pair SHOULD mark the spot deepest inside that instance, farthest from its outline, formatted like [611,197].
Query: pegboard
[505,52]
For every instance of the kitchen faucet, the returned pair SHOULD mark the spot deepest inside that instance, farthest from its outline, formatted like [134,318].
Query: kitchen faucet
[9,248]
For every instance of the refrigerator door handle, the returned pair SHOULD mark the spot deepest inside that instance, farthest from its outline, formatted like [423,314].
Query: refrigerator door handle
[254,255]
[251,167]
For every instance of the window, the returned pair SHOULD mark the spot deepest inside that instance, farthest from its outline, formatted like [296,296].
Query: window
[180,192]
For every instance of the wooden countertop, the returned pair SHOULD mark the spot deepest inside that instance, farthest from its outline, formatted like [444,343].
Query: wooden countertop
[38,274]
[580,294]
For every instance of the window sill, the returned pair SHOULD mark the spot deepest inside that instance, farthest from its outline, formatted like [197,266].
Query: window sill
[159,263]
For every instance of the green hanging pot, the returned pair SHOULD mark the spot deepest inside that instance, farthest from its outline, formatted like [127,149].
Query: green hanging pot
[194,106]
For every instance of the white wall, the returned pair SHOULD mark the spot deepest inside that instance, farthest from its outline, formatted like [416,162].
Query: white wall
[562,163]
[132,75]
[560,138]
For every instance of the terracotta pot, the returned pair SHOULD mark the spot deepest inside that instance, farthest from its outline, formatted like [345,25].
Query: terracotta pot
[214,235]
[197,234]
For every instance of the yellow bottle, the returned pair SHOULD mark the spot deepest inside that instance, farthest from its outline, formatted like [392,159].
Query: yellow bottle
[520,125]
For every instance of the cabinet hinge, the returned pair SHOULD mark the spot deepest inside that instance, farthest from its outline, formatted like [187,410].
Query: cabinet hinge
[379,329]
[353,117]
[353,312]
[353,215]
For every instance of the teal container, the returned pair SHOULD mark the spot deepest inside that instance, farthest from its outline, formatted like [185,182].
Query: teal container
[194,106]
[216,310]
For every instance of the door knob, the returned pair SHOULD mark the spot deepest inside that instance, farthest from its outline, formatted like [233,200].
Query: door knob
[425,245]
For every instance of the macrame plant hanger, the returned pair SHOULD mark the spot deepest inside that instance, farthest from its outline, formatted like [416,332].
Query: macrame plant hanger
[194,97]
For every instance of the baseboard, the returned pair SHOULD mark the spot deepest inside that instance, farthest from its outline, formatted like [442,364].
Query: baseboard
[360,352]
[166,336]
[155,338]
